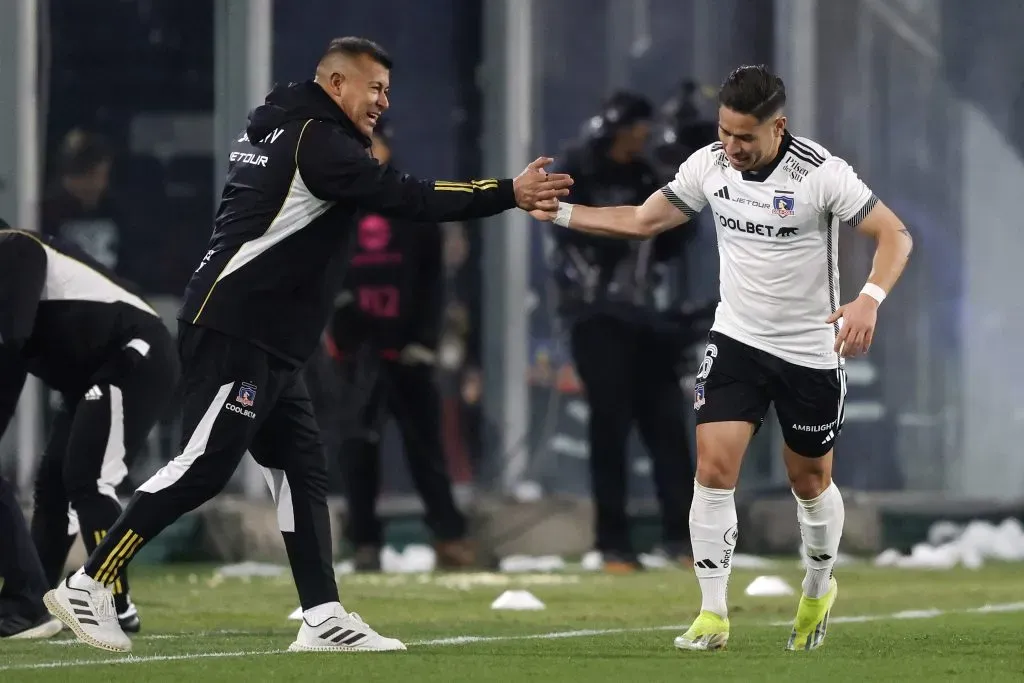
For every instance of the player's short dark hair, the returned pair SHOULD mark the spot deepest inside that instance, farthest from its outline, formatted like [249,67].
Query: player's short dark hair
[753,90]
[353,46]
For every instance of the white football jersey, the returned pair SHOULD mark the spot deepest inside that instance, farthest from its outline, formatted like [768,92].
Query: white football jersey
[778,236]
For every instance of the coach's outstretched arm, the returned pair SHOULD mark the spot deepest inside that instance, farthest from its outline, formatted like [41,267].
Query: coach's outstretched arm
[335,167]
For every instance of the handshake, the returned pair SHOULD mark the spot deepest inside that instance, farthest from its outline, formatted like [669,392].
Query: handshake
[538,190]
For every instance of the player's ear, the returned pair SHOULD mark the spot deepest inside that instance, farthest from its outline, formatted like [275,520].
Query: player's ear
[780,125]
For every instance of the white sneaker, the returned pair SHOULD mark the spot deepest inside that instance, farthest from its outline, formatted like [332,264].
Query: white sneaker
[342,632]
[17,627]
[87,608]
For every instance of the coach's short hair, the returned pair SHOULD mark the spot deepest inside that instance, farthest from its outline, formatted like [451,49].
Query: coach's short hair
[352,46]
[753,90]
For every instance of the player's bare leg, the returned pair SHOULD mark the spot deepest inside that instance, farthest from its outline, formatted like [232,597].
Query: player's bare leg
[821,514]
[713,530]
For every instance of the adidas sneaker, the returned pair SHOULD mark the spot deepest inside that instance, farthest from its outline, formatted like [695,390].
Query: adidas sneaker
[341,632]
[19,627]
[87,607]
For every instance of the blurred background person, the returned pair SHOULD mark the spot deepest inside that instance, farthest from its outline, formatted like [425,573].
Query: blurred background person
[384,335]
[79,206]
[686,123]
[628,353]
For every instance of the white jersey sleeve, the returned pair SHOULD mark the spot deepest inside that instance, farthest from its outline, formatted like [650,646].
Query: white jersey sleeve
[838,190]
[686,190]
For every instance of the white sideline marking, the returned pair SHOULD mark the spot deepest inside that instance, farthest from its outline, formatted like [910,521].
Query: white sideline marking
[159,636]
[465,640]
[136,660]
[920,614]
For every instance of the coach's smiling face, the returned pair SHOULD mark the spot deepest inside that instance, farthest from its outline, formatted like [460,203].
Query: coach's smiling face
[360,86]
[749,143]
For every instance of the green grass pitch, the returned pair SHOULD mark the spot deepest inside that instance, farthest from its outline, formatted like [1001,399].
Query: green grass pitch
[958,625]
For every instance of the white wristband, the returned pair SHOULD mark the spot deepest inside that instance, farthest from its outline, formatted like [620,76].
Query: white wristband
[874,291]
[563,215]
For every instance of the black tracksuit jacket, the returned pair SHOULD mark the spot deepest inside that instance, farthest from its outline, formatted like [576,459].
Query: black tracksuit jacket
[297,179]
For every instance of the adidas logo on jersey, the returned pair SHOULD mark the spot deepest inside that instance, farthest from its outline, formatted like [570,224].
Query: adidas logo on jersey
[724,193]
[94,394]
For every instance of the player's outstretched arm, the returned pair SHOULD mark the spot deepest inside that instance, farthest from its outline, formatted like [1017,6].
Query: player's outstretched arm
[335,167]
[657,214]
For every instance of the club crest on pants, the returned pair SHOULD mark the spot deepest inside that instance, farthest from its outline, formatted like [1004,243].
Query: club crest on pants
[246,394]
[698,396]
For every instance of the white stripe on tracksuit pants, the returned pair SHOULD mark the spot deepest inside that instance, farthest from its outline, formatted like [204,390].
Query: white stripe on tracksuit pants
[237,399]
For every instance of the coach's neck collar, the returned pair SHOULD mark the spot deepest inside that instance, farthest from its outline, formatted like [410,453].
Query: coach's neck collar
[764,172]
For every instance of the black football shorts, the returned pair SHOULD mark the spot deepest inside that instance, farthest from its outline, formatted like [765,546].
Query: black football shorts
[737,383]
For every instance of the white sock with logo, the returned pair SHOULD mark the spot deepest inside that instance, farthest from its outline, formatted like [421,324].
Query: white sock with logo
[821,527]
[713,534]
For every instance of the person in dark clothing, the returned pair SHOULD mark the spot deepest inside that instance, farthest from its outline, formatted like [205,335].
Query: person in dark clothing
[80,206]
[627,353]
[384,335]
[252,316]
[67,320]
[22,614]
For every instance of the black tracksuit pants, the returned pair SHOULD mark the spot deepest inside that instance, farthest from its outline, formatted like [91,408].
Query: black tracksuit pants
[375,389]
[93,438]
[23,575]
[631,374]
[237,398]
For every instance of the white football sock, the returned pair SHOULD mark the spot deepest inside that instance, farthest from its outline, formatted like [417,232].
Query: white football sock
[321,613]
[821,527]
[713,534]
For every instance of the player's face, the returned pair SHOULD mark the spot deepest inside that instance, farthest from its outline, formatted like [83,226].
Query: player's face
[748,143]
[364,92]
